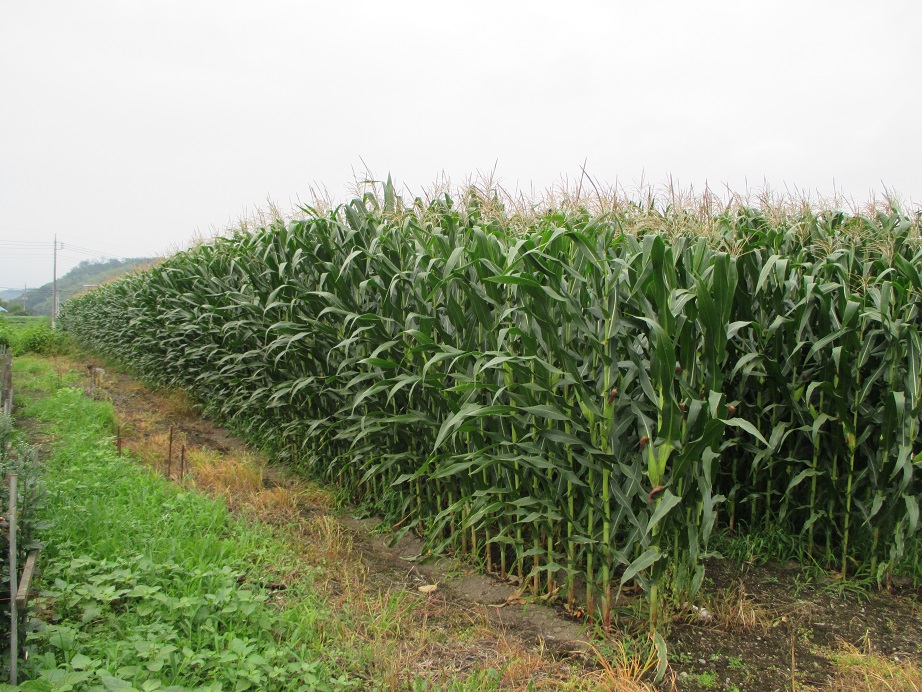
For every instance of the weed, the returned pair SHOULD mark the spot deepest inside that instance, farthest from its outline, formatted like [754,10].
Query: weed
[734,610]
[625,663]
[858,588]
[736,663]
[706,680]
[861,669]
[147,584]
[32,335]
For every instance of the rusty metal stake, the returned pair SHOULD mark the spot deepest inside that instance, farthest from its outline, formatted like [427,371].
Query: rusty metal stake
[169,456]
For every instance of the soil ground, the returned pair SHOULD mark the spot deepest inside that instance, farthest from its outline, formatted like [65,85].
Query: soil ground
[756,628]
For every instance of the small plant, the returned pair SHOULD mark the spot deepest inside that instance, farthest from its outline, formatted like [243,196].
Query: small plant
[733,609]
[706,680]
[627,662]
[736,663]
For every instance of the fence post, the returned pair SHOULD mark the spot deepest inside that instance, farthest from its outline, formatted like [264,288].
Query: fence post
[14,587]
[6,380]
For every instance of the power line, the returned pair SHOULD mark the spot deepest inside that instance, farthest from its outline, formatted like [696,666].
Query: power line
[78,248]
[20,245]
[78,254]
[32,252]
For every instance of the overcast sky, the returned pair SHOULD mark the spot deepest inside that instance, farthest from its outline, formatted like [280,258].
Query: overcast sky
[128,126]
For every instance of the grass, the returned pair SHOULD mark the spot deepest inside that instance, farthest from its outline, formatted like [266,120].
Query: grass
[25,321]
[625,664]
[150,585]
[734,610]
[863,670]
[32,335]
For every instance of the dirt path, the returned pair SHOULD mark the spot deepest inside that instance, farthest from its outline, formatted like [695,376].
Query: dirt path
[499,602]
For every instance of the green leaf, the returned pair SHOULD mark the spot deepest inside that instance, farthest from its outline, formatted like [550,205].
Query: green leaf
[513,279]
[747,426]
[648,558]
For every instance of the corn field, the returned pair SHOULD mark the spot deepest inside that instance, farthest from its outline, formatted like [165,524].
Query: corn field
[568,402]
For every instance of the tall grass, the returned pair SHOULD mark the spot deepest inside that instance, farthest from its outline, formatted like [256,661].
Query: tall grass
[575,398]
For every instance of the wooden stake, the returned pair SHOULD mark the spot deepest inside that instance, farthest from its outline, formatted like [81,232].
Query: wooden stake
[22,595]
[118,440]
[182,462]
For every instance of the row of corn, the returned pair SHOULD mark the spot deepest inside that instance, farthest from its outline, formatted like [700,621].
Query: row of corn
[578,407]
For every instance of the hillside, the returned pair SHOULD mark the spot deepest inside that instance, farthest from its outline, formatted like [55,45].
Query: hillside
[87,273]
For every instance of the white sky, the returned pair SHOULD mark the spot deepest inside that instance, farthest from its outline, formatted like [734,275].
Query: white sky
[127,126]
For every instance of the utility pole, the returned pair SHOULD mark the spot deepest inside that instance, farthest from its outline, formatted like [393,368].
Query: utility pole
[54,290]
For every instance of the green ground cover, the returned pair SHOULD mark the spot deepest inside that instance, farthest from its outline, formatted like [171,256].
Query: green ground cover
[31,335]
[149,586]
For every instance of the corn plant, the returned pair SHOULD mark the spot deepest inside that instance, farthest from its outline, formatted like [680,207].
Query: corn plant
[574,405]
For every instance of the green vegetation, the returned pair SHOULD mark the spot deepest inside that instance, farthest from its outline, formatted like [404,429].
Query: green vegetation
[706,680]
[32,335]
[17,457]
[37,301]
[12,308]
[149,586]
[569,397]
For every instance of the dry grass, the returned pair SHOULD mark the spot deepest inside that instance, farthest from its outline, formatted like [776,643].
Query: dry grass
[177,405]
[625,669]
[400,634]
[238,478]
[149,448]
[735,610]
[862,670]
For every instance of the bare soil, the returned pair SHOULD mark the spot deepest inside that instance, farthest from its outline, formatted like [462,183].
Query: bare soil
[803,625]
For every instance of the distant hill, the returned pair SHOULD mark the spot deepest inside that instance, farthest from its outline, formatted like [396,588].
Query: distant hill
[87,273]
[10,294]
